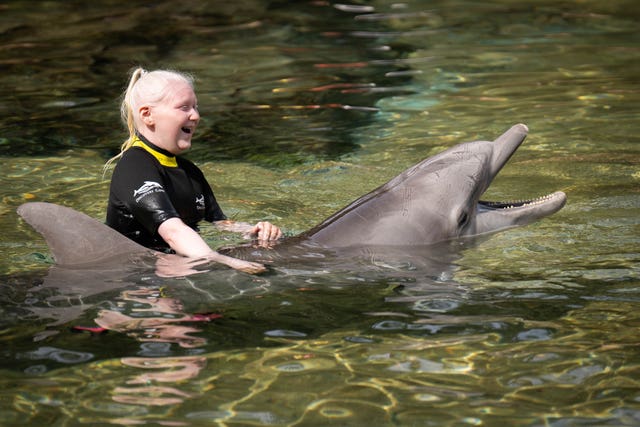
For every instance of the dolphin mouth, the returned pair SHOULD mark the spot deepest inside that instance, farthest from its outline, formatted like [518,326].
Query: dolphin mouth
[520,212]
[515,204]
[493,216]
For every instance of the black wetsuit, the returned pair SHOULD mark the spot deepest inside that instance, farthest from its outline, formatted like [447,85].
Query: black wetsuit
[149,186]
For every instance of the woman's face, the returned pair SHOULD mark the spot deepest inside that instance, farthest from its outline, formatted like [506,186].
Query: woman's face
[170,124]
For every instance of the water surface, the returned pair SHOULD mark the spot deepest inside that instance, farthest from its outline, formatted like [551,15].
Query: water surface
[306,106]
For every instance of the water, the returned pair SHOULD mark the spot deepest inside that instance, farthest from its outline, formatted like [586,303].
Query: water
[306,106]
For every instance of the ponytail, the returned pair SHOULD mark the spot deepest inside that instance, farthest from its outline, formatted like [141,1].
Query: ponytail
[126,108]
[126,114]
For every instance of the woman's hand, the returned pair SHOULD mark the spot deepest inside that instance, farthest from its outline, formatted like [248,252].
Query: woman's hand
[239,264]
[265,231]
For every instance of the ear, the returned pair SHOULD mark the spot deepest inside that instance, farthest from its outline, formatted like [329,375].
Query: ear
[145,115]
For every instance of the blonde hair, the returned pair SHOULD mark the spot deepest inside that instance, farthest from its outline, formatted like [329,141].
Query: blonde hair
[145,88]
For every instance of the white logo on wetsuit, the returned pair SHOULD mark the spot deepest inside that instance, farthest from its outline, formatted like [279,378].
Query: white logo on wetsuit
[200,202]
[149,187]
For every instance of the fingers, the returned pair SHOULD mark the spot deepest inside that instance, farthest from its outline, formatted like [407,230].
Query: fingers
[264,230]
[248,266]
[254,268]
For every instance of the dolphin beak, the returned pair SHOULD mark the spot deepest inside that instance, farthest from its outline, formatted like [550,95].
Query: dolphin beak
[505,145]
[492,216]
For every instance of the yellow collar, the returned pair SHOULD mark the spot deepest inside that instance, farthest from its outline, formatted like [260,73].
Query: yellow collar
[165,160]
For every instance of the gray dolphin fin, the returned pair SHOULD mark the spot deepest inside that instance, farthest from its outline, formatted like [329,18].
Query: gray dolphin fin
[75,238]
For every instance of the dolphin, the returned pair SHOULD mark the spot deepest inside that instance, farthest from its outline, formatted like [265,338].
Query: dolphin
[434,201]
[437,200]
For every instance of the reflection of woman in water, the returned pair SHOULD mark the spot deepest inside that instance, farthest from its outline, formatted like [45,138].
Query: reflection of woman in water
[157,198]
[164,322]
[146,314]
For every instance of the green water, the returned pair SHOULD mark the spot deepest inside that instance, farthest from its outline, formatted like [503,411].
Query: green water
[306,106]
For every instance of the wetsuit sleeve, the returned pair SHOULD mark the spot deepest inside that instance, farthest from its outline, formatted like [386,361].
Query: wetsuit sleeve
[138,184]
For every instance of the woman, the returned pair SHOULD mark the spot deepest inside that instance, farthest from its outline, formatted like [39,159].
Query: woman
[157,198]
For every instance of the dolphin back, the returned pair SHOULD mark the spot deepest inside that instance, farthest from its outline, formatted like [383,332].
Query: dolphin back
[75,238]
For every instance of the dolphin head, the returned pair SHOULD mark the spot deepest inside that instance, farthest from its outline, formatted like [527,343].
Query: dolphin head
[437,200]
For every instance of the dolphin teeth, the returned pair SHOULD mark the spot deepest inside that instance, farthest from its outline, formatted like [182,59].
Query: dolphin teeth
[513,204]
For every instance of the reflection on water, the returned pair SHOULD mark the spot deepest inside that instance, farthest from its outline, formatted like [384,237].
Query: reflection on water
[306,106]
[352,378]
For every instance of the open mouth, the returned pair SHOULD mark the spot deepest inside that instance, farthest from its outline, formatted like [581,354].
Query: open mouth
[520,203]
[187,130]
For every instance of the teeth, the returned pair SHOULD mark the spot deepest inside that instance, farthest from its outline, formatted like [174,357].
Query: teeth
[518,203]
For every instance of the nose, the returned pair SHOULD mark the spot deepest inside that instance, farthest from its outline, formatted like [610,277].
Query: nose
[195,115]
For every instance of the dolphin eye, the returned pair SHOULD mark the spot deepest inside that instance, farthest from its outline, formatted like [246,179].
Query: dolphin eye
[463,219]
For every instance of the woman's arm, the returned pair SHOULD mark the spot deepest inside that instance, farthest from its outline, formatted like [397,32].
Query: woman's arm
[187,242]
